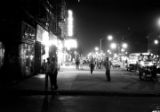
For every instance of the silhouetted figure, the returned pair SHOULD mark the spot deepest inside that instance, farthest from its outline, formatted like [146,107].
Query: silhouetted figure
[52,72]
[77,62]
[43,66]
[92,65]
[107,66]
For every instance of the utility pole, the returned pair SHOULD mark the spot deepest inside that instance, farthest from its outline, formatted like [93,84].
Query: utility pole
[100,44]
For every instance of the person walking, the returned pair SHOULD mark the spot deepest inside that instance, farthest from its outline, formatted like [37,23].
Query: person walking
[92,65]
[107,66]
[43,66]
[77,62]
[52,72]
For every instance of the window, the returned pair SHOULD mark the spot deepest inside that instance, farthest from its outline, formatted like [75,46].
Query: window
[27,58]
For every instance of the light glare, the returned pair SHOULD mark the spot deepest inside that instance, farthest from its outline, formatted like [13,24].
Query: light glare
[96,48]
[70,23]
[124,45]
[110,37]
[156,42]
[113,46]
[122,50]
[70,43]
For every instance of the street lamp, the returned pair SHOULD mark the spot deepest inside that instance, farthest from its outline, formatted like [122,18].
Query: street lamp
[96,48]
[110,37]
[124,45]
[156,42]
[113,45]
[100,43]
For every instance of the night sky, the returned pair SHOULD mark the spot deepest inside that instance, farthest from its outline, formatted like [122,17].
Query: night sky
[130,20]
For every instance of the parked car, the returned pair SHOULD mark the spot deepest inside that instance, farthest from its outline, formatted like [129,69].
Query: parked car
[132,61]
[116,63]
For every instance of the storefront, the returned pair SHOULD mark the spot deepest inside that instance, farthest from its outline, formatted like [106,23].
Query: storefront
[42,38]
[27,49]
[48,39]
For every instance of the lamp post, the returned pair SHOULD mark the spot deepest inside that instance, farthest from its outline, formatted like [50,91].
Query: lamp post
[100,43]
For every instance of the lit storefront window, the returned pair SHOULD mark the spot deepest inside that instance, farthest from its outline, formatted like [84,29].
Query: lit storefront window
[49,39]
[2,50]
[27,58]
[27,49]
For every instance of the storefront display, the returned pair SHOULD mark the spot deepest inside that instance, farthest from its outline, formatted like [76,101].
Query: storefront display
[27,49]
[27,58]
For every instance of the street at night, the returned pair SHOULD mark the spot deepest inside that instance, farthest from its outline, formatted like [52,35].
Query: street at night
[71,80]
[80,56]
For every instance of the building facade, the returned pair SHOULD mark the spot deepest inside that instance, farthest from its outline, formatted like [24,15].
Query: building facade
[24,26]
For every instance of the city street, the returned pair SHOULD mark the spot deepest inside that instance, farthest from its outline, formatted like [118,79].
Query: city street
[57,55]
[121,81]
[70,80]
[80,91]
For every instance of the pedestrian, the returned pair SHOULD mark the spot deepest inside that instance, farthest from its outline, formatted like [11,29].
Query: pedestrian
[92,65]
[107,66]
[43,66]
[52,72]
[77,62]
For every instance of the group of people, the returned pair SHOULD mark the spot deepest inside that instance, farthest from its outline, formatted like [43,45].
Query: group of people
[52,72]
[51,69]
[107,65]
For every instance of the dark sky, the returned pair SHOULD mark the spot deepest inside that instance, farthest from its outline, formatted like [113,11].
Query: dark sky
[132,19]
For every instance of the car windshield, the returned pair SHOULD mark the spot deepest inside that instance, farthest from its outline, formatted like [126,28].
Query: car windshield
[73,48]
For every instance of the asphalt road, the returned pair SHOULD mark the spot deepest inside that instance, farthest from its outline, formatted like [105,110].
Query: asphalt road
[82,103]
[121,81]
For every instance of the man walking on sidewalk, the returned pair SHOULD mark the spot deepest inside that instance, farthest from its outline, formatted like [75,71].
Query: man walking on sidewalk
[52,68]
[52,72]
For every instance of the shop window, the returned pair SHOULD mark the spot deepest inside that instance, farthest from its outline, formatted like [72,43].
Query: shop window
[27,49]
[2,50]
[27,58]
